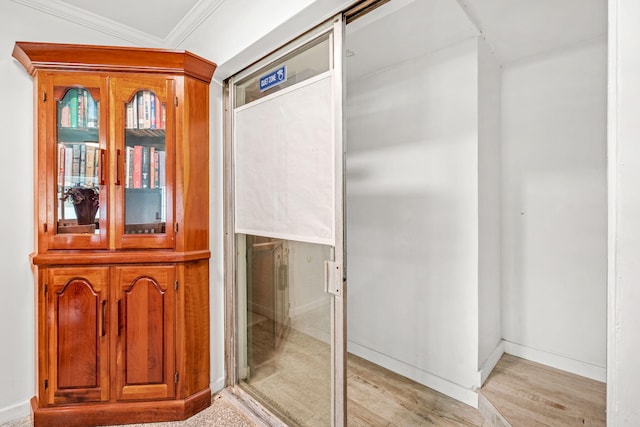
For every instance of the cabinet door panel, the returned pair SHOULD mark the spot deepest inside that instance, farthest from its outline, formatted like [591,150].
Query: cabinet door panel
[143,114]
[145,334]
[75,150]
[78,346]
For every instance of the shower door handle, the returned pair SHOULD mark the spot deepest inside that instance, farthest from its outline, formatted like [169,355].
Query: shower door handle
[333,278]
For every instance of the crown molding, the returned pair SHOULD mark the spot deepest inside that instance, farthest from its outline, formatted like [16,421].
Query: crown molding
[187,25]
[96,22]
[191,21]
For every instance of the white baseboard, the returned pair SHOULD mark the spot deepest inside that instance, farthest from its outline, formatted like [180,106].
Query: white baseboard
[577,367]
[491,362]
[455,391]
[12,413]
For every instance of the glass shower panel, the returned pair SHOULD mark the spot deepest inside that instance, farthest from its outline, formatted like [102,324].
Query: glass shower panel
[285,323]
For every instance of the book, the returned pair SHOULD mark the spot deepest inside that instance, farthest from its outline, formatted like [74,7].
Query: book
[81,108]
[83,163]
[137,167]
[140,105]
[128,168]
[158,113]
[152,167]
[156,169]
[68,161]
[129,115]
[152,111]
[134,112]
[73,107]
[146,103]
[61,160]
[90,165]
[64,120]
[75,164]
[85,108]
[146,166]
[92,112]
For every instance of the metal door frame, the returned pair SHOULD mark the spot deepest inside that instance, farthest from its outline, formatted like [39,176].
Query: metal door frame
[335,27]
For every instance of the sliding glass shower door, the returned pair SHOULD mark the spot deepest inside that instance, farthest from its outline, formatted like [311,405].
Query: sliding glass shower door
[286,161]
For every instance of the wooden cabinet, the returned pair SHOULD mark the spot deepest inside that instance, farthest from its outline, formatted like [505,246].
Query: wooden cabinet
[122,238]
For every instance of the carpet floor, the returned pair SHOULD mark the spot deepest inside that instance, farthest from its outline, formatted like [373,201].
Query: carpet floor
[224,412]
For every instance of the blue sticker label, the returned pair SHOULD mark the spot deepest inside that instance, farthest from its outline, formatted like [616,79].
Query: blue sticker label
[274,78]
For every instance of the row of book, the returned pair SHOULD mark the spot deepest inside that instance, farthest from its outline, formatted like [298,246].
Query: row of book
[145,167]
[78,164]
[146,111]
[78,109]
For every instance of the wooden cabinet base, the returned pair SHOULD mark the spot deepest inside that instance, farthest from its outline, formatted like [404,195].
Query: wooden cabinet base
[110,413]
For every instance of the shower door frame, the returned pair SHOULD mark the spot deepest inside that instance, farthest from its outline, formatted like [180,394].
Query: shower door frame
[337,286]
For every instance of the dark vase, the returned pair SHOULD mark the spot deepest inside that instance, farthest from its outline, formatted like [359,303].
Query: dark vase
[86,210]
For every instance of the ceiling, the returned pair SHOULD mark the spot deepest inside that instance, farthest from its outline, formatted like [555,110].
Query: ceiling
[150,23]
[514,29]
[403,29]
[157,18]
[517,29]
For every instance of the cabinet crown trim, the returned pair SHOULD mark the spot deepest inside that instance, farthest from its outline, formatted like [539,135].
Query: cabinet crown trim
[54,56]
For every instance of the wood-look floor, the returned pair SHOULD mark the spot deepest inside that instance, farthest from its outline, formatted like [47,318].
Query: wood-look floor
[379,397]
[530,394]
[293,380]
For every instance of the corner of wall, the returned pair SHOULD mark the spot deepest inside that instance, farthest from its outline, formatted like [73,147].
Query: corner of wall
[489,203]
[490,363]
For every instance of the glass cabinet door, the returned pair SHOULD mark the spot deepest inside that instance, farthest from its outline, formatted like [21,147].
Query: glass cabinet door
[143,154]
[80,163]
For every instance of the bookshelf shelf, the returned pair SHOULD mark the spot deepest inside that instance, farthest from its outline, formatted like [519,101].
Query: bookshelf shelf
[125,292]
[77,134]
[146,133]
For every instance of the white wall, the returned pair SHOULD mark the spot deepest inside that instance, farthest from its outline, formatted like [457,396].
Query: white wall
[489,241]
[554,207]
[623,371]
[412,215]
[17,368]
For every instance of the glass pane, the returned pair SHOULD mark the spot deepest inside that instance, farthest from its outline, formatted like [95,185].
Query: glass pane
[78,159]
[306,62]
[285,328]
[145,164]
